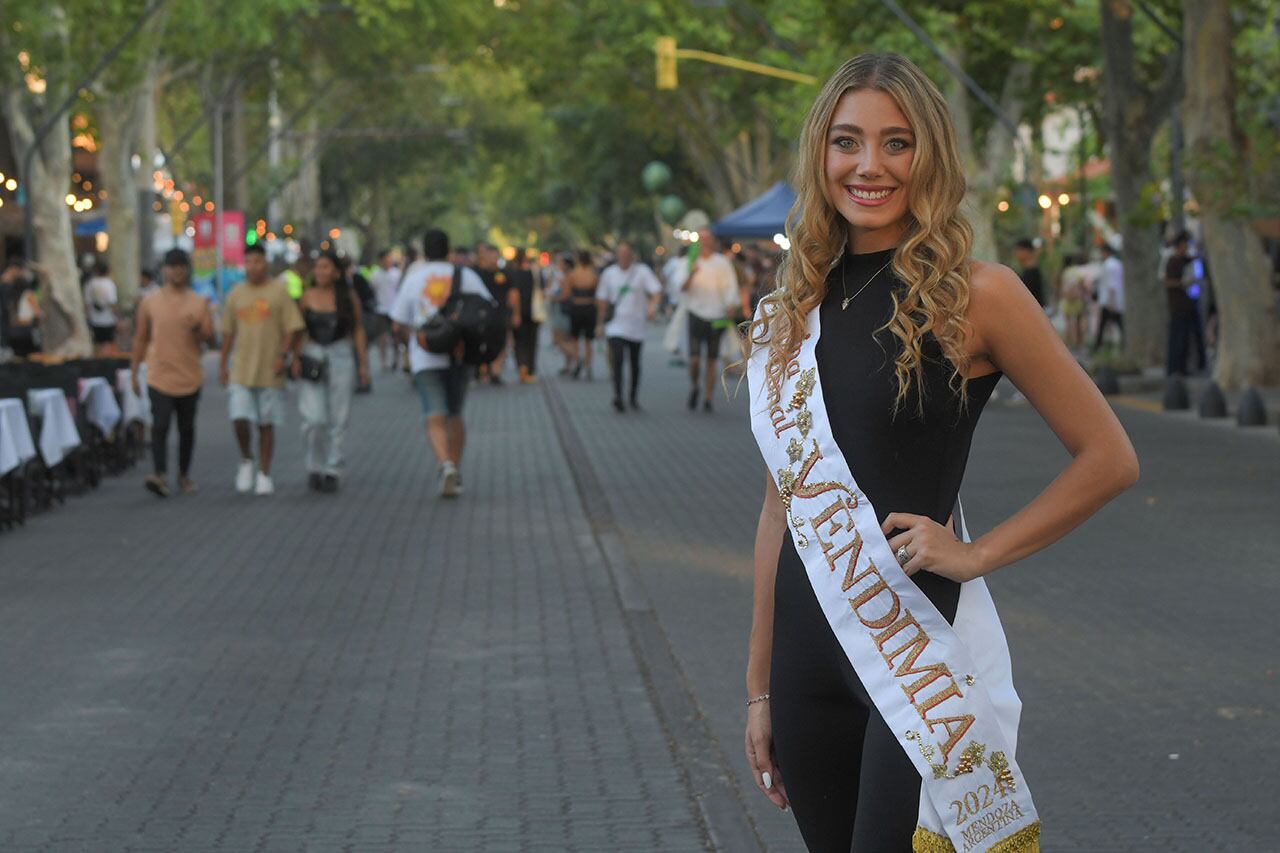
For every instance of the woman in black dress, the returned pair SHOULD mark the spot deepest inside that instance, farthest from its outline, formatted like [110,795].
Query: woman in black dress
[915,335]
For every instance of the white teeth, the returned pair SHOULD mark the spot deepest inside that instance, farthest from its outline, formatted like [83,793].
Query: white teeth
[869,196]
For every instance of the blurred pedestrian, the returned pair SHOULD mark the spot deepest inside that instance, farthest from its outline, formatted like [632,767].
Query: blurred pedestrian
[674,272]
[296,274]
[553,287]
[1184,316]
[363,290]
[334,357]
[1027,255]
[440,378]
[264,327]
[100,300]
[147,284]
[172,326]
[1110,295]
[579,299]
[386,283]
[498,284]
[1073,292]
[627,298]
[528,315]
[20,311]
[711,294]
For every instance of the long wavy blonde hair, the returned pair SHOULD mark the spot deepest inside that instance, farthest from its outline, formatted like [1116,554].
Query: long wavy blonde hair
[932,258]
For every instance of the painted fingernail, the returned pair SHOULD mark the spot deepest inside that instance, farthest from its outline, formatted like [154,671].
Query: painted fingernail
[768,780]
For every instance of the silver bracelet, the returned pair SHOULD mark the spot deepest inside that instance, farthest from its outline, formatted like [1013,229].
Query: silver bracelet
[763,697]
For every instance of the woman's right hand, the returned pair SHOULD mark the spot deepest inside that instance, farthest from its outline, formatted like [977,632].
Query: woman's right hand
[759,747]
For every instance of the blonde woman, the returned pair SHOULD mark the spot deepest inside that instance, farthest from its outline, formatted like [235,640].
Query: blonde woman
[880,705]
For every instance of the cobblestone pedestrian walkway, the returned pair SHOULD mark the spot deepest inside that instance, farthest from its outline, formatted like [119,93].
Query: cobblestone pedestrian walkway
[376,670]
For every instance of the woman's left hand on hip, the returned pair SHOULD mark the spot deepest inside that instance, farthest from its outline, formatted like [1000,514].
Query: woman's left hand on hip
[931,547]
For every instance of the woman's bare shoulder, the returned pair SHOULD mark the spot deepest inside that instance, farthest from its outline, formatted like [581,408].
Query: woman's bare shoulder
[991,284]
[998,302]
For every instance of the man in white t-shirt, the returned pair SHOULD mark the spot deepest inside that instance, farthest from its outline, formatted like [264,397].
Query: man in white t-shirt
[100,298]
[385,281]
[1110,294]
[709,292]
[628,295]
[441,380]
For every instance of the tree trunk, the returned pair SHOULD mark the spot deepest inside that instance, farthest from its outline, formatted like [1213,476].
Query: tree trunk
[985,173]
[1249,343]
[144,188]
[65,330]
[1132,113]
[119,119]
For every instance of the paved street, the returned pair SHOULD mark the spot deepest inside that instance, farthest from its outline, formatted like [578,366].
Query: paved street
[554,662]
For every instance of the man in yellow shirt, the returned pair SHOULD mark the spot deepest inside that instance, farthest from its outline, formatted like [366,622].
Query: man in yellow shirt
[264,326]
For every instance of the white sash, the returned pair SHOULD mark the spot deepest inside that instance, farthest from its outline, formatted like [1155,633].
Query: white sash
[945,691]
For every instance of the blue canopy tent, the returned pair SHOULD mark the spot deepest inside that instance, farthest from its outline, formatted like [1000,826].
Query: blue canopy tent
[763,216]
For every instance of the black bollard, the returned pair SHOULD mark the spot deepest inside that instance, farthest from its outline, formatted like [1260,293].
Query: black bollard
[1107,380]
[1253,412]
[1213,403]
[1176,398]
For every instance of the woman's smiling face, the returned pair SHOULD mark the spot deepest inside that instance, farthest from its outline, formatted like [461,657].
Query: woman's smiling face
[869,149]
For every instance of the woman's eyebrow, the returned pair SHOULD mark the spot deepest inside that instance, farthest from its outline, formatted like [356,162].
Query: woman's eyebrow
[853,128]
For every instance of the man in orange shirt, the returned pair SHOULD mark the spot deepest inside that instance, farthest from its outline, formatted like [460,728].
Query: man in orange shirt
[172,324]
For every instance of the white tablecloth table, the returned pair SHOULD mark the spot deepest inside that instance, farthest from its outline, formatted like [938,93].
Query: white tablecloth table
[58,432]
[99,403]
[16,446]
[136,407]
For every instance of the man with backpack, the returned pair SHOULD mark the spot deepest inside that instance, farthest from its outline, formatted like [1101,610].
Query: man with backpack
[430,287]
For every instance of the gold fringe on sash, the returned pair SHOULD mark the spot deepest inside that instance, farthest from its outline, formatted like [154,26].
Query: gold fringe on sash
[1025,840]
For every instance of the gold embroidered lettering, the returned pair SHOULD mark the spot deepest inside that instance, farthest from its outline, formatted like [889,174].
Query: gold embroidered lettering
[956,727]
[929,674]
[779,420]
[913,646]
[828,516]
[871,593]
[853,562]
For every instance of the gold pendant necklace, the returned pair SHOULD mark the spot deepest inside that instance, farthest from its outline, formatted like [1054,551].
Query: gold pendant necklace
[845,271]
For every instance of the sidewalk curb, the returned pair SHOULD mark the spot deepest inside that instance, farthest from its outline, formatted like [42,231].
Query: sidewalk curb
[697,753]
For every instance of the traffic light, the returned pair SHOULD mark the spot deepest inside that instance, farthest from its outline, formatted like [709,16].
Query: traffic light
[665,48]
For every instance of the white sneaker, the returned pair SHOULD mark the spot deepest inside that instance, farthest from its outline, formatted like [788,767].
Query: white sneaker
[448,480]
[244,477]
[262,485]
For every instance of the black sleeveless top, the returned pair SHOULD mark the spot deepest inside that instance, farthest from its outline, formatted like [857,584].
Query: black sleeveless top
[324,327]
[903,462]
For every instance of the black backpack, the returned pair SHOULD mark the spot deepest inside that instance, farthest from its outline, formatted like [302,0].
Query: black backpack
[467,318]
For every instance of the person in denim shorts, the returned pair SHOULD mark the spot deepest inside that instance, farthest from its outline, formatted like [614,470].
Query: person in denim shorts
[263,325]
[441,381]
